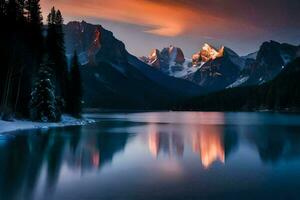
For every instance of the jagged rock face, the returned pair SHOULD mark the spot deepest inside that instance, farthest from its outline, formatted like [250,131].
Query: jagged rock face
[211,68]
[220,68]
[154,59]
[166,59]
[111,48]
[206,54]
[172,56]
[175,55]
[90,41]
[83,38]
[217,73]
[95,46]
[271,58]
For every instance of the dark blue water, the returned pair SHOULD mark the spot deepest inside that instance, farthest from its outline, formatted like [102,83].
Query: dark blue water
[172,155]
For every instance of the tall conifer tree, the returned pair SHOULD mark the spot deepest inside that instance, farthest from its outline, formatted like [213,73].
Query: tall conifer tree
[56,50]
[35,21]
[43,102]
[74,100]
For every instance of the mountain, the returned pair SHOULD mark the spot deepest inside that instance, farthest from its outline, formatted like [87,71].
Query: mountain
[269,61]
[170,61]
[114,78]
[251,56]
[84,39]
[217,69]
[207,53]
[211,68]
[282,93]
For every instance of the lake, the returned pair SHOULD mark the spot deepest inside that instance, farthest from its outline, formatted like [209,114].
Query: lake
[156,155]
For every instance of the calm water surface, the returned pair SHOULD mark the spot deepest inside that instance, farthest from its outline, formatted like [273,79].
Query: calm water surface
[171,155]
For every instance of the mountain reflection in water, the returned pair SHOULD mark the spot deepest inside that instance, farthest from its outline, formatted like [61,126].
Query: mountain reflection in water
[207,141]
[42,163]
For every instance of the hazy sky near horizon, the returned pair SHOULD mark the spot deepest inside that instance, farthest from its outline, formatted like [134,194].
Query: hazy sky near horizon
[143,25]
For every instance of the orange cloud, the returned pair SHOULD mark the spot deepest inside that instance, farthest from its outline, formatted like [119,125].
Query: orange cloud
[160,19]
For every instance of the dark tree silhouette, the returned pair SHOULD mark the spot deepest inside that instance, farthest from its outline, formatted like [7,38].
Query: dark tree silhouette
[43,103]
[74,99]
[56,51]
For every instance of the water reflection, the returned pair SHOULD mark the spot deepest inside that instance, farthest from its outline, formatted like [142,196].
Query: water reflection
[275,143]
[170,143]
[209,143]
[35,164]
[36,158]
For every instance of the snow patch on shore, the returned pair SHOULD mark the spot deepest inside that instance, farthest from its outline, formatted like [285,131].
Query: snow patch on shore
[17,125]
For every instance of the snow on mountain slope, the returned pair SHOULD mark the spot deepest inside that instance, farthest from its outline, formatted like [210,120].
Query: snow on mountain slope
[207,53]
[214,68]
[218,64]
[238,82]
[169,60]
[186,69]
[169,82]
[271,58]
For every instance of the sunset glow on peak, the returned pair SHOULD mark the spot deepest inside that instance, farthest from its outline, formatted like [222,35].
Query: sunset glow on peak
[210,53]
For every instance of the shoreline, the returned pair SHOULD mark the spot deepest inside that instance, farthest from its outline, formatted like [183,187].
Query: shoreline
[20,125]
[24,124]
[107,110]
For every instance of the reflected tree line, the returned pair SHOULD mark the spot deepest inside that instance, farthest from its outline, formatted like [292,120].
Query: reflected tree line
[29,159]
[275,143]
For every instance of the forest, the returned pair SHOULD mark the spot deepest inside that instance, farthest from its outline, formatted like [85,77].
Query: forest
[36,79]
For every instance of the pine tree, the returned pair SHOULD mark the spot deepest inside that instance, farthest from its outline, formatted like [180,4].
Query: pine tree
[15,11]
[51,17]
[34,13]
[35,39]
[35,24]
[43,103]
[11,44]
[20,53]
[75,88]
[56,50]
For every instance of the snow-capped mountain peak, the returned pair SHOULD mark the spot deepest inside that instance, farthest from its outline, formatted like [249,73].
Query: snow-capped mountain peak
[219,68]
[210,53]
[166,60]
[206,54]
[172,54]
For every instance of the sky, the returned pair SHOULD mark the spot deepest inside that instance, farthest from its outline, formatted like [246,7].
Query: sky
[143,25]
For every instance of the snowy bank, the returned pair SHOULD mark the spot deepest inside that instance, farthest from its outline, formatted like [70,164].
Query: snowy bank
[24,125]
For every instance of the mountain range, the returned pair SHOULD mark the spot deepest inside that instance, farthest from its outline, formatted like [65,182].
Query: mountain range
[217,69]
[114,78]
[280,94]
